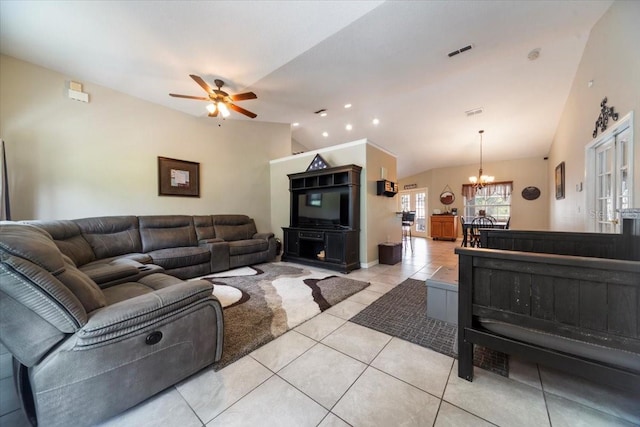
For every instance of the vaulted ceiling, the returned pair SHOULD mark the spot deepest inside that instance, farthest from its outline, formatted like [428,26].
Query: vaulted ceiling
[389,60]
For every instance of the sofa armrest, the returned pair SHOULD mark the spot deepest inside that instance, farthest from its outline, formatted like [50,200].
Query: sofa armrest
[265,236]
[219,254]
[123,318]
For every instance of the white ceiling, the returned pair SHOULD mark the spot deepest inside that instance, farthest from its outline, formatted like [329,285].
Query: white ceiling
[388,59]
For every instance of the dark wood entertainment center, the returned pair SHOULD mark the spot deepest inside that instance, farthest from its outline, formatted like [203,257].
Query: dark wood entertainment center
[333,195]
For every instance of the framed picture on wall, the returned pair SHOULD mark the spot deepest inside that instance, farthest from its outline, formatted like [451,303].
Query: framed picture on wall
[178,178]
[560,181]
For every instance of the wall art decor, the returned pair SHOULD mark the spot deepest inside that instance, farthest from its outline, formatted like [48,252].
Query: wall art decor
[178,177]
[530,193]
[560,181]
[447,197]
[603,119]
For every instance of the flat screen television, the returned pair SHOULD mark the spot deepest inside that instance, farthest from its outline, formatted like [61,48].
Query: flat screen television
[321,209]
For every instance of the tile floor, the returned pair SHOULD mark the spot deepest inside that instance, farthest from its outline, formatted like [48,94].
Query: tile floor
[331,372]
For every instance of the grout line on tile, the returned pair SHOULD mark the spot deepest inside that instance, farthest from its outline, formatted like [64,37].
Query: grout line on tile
[544,395]
[452,404]
[241,397]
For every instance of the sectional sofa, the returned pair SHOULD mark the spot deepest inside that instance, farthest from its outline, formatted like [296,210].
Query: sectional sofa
[116,249]
[97,316]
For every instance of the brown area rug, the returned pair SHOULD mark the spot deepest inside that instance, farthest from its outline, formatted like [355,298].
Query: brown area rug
[264,301]
[401,313]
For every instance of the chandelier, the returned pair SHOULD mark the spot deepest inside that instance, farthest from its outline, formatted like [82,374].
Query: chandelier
[481,180]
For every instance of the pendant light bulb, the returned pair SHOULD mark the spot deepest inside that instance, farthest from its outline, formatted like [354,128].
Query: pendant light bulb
[223,109]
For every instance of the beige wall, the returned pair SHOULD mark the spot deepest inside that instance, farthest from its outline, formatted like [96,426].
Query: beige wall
[296,147]
[525,214]
[612,61]
[373,229]
[68,159]
[382,224]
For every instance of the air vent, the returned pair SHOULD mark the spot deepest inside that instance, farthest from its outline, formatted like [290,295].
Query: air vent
[474,111]
[462,49]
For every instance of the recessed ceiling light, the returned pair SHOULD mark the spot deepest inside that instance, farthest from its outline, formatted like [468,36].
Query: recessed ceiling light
[348,126]
[375,121]
[295,125]
[325,134]
[347,105]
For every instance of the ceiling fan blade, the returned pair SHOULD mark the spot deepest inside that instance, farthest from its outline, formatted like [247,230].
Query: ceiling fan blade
[242,111]
[204,85]
[214,114]
[201,98]
[243,96]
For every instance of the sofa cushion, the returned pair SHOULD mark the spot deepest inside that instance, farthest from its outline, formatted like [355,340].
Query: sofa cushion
[166,231]
[85,289]
[231,233]
[204,227]
[30,256]
[143,286]
[242,247]
[68,237]
[233,227]
[111,235]
[180,257]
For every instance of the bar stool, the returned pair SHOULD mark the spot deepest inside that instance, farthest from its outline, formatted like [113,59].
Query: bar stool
[407,223]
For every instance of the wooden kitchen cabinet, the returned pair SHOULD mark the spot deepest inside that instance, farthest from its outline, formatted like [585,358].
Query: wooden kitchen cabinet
[444,227]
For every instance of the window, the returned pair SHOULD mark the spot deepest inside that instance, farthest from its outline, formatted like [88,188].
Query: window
[405,202]
[494,199]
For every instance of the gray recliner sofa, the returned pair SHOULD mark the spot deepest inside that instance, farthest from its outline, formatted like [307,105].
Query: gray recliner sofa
[116,249]
[84,353]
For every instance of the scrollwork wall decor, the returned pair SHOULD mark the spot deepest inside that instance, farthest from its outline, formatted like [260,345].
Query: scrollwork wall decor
[603,119]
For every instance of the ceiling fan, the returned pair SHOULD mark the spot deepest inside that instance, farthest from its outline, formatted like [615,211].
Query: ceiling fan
[221,101]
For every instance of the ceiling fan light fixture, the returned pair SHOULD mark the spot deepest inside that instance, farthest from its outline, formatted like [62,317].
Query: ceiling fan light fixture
[220,101]
[223,109]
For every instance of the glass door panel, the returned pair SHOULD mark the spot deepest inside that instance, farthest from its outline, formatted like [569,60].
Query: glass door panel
[613,184]
[415,201]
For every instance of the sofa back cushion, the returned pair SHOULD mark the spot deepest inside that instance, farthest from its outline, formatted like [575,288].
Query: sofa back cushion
[43,296]
[68,237]
[166,231]
[29,256]
[204,227]
[234,227]
[111,236]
